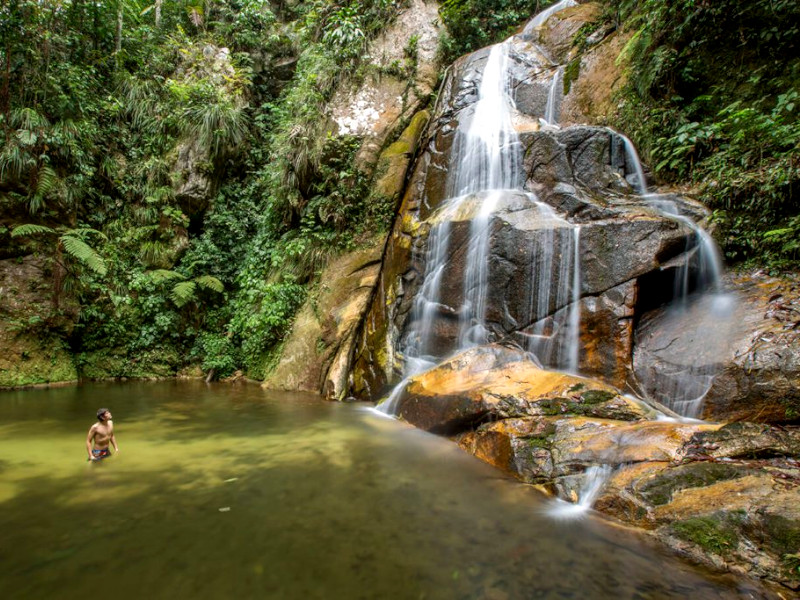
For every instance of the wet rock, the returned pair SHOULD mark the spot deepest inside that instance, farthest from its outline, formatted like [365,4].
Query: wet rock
[394,161]
[759,378]
[746,441]
[493,382]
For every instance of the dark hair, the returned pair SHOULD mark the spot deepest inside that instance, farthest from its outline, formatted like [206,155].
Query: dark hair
[100,413]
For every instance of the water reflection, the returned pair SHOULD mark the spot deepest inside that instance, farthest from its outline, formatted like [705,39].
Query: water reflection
[320,501]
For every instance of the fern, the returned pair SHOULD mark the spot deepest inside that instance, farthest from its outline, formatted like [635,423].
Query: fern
[27,118]
[84,253]
[154,253]
[46,181]
[159,275]
[30,229]
[210,282]
[183,293]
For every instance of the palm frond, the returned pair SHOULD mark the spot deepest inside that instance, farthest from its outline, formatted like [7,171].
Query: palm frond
[183,293]
[30,229]
[27,118]
[81,251]
[210,282]
[14,161]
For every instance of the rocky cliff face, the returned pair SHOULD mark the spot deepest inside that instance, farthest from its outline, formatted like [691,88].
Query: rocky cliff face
[578,172]
[727,495]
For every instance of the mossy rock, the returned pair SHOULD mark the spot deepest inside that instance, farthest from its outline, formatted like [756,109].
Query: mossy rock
[717,533]
[113,363]
[28,361]
[660,490]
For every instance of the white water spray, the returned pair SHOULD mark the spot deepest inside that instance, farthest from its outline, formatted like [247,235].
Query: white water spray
[594,480]
[701,314]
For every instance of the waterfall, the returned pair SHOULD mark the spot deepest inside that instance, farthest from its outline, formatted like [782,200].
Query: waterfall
[554,305]
[540,18]
[472,330]
[700,313]
[486,155]
[553,98]
[594,480]
[709,261]
[486,149]
[632,161]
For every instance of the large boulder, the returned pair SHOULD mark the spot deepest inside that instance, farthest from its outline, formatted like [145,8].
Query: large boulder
[620,240]
[487,383]
[759,377]
[727,496]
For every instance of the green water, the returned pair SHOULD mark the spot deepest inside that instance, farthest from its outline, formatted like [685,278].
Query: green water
[231,492]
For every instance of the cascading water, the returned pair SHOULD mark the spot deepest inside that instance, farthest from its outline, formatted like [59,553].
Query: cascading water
[488,158]
[486,149]
[540,18]
[699,306]
[554,336]
[632,160]
[594,479]
[553,98]
[487,153]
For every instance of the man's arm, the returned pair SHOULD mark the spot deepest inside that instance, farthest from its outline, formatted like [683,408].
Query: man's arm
[89,441]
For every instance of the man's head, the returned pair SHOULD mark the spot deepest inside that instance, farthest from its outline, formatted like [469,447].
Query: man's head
[103,414]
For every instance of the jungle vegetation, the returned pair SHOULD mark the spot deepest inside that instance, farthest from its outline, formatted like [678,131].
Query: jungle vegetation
[102,102]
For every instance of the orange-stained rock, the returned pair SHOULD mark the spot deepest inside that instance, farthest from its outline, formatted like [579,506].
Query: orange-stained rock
[583,442]
[498,382]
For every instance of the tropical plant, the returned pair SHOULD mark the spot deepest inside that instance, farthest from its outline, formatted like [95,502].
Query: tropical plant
[186,290]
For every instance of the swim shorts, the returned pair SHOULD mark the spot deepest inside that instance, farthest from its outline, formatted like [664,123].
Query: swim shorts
[100,453]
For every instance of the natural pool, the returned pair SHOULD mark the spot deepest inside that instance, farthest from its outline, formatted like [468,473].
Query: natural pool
[224,491]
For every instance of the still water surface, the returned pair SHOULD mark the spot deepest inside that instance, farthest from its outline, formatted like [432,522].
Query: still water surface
[232,492]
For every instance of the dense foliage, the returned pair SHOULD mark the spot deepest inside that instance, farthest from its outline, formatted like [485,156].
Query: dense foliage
[713,99]
[473,24]
[102,107]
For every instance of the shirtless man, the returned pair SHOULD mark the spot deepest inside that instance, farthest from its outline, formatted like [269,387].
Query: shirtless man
[100,434]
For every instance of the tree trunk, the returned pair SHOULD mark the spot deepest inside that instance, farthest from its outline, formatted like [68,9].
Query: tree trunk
[119,27]
[158,13]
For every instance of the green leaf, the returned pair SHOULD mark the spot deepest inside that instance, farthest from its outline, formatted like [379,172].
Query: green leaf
[210,283]
[26,138]
[80,250]
[183,293]
[159,275]
[30,229]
